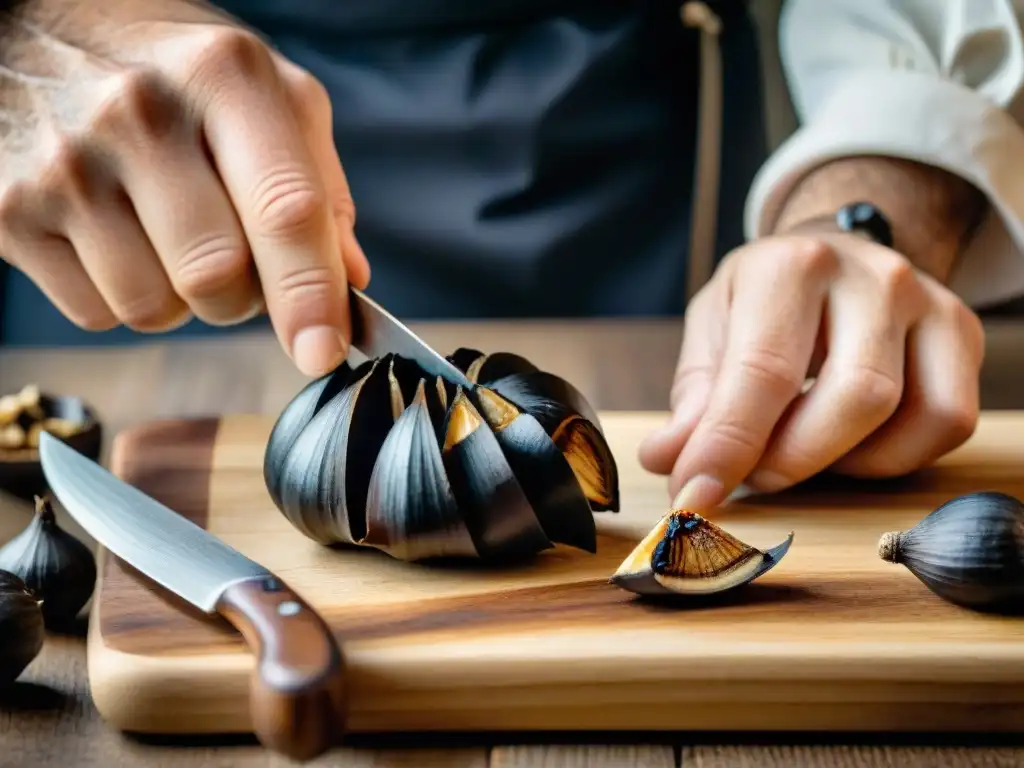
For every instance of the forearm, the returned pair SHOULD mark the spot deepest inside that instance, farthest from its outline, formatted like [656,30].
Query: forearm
[932,212]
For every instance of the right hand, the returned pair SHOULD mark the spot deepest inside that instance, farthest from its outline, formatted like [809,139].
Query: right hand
[158,162]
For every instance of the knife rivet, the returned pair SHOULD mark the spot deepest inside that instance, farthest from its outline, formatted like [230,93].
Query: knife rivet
[288,608]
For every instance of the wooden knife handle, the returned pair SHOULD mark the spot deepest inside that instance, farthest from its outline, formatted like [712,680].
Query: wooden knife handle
[298,695]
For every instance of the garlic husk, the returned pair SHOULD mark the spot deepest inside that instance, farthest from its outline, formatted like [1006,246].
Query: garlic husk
[348,460]
[686,554]
[22,627]
[59,569]
[563,413]
[969,551]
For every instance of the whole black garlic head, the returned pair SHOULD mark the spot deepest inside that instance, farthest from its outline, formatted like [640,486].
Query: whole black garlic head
[22,630]
[686,554]
[969,551]
[58,568]
[387,456]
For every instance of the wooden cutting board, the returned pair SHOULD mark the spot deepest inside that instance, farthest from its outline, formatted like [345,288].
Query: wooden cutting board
[832,638]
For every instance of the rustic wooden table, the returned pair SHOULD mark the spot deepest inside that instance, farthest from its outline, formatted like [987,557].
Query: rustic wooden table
[50,720]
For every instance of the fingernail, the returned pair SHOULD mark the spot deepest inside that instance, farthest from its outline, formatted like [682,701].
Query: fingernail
[765,480]
[700,492]
[319,349]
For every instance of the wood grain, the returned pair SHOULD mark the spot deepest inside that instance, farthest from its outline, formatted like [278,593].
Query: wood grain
[833,638]
[49,715]
[591,756]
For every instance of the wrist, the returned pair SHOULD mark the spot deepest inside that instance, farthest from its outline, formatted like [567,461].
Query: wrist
[931,212]
[861,219]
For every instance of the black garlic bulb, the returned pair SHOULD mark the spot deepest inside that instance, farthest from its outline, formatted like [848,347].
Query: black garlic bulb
[969,551]
[58,568]
[387,456]
[22,630]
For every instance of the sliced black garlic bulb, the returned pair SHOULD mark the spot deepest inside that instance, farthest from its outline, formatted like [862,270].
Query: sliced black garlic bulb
[58,568]
[686,554]
[969,551]
[389,457]
[22,630]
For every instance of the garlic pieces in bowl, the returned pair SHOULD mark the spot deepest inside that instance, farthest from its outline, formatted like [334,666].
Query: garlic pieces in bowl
[686,554]
[23,416]
[388,457]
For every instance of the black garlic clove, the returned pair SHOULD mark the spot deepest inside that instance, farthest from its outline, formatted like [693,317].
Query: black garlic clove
[546,477]
[22,627]
[411,511]
[573,426]
[59,569]
[969,552]
[496,510]
[294,419]
[483,369]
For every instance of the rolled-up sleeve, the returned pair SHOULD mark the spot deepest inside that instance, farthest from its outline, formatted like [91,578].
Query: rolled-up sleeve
[940,82]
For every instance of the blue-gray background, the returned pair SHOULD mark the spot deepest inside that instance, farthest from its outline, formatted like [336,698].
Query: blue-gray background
[507,158]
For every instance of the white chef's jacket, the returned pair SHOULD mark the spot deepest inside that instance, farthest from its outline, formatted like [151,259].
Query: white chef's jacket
[936,81]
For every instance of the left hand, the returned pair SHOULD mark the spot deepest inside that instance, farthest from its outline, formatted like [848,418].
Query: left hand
[896,358]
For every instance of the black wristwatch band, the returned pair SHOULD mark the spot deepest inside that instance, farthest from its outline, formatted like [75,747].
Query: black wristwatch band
[865,218]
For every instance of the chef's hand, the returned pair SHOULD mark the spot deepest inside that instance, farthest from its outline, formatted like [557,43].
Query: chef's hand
[895,354]
[157,162]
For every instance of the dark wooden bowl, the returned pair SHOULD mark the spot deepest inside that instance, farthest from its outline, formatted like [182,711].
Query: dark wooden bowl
[21,472]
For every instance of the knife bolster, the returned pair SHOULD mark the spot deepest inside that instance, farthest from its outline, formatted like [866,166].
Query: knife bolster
[298,695]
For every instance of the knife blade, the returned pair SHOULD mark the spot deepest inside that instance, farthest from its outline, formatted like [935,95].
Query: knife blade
[298,692]
[376,332]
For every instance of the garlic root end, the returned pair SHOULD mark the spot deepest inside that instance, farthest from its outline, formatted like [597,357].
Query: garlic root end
[889,546]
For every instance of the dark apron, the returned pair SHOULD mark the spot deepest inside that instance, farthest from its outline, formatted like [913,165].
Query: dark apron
[527,158]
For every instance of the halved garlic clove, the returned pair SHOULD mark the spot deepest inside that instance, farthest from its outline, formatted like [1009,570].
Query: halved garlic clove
[543,472]
[562,412]
[497,512]
[686,554]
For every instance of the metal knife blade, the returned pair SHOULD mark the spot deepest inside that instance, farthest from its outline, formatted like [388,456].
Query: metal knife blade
[168,548]
[376,332]
[298,692]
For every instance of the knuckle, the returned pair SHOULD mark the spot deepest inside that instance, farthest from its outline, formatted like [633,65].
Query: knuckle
[141,102]
[968,323]
[233,52]
[957,422]
[13,202]
[773,370]
[813,257]
[92,319]
[71,172]
[309,95]
[898,281]
[730,437]
[151,312]
[871,392]
[790,464]
[288,202]
[307,284]
[210,265]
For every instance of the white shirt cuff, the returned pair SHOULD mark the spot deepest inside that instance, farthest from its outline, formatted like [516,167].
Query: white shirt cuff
[918,117]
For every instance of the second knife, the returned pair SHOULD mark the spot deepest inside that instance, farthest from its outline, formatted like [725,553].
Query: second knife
[298,693]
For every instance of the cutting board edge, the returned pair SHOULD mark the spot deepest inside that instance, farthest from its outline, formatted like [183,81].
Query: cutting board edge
[142,712]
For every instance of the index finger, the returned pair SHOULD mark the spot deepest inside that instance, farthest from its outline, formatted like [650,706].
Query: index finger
[774,318]
[269,171]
